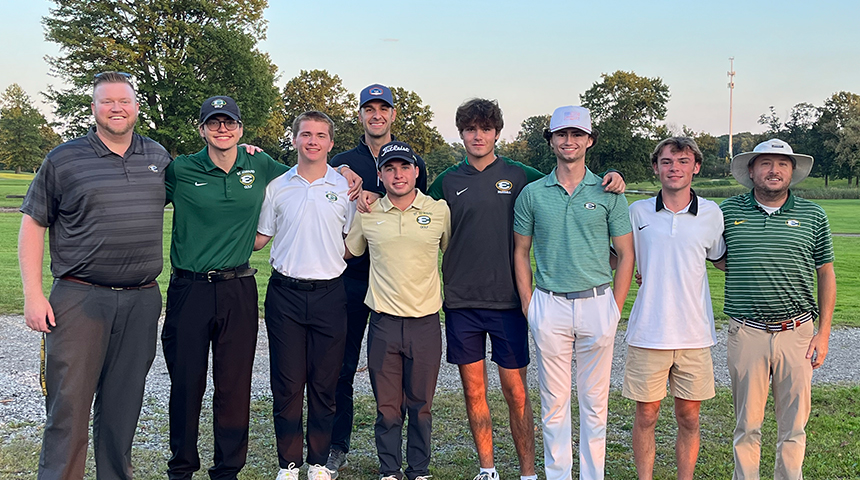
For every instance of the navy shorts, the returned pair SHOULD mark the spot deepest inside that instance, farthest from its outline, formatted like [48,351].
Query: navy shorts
[466,331]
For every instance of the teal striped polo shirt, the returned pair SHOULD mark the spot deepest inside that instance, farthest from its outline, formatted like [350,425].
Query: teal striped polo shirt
[571,233]
[771,259]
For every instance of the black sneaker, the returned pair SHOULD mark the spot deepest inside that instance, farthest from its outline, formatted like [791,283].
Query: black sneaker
[336,461]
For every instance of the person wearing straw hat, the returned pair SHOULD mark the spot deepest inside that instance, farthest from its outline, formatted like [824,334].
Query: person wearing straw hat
[777,246]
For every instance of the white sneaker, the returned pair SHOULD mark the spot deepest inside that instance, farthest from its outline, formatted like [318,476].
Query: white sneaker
[422,477]
[318,472]
[289,473]
[390,477]
[487,476]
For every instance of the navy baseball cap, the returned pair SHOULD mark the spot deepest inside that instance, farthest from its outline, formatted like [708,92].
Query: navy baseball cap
[219,105]
[395,151]
[376,92]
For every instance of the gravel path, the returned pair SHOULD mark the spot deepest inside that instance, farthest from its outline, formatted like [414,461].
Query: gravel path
[21,400]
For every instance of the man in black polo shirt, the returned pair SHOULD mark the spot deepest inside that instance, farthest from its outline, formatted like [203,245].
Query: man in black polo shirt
[101,199]
[377,113]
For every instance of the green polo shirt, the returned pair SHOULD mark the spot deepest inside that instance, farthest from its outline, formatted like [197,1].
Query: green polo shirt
[771,259]
[215,213]
[571,233]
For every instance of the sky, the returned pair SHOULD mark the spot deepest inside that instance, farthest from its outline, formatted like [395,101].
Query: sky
[535,56]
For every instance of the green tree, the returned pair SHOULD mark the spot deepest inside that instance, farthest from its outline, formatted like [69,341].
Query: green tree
[848,148]
[442,157]
[25,136]
[324,92]
[835,114]
[625,110]
[179,53]
[412,123]
[530,146]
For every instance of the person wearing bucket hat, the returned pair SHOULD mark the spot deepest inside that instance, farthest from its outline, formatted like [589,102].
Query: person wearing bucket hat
[572,313]
[778,245]
[403,234]
[376,113]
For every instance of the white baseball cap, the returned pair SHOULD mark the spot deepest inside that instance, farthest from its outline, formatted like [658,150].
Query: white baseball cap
[570,117]
[774,146]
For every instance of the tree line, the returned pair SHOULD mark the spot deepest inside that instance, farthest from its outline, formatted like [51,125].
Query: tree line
[180,53]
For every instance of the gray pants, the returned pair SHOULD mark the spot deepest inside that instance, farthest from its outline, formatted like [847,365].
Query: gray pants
[403,356]
[102,346]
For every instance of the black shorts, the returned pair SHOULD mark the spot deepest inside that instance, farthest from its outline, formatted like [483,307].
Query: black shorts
[466,331]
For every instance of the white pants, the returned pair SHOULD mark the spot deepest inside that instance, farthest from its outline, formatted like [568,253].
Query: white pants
[561,327]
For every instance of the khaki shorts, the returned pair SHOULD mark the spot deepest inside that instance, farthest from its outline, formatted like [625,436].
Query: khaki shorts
[690,373]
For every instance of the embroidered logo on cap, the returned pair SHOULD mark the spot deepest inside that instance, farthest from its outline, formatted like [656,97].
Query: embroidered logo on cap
[574,115]
[218,103]
[375,91]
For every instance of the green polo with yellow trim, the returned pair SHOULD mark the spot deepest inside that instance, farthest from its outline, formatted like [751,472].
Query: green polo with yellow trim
[571,232]
[771,259]
[215,212]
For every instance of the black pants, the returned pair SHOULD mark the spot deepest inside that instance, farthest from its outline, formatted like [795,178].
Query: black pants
[403,356]
[356,321]
[306,331]
[223,314]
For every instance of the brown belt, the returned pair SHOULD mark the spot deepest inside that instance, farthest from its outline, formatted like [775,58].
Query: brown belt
[72,279]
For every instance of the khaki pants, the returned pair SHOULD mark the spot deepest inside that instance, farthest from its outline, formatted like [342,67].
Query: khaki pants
[757,358]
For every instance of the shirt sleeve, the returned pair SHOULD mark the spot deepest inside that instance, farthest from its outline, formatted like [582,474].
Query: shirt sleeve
[435,191]
[524,221]
[266,224]
[619,217]
[446,232]
[718,245]
[823,252]
[350,216]
[169,182]
[275,169]
[356,243]
[42,201]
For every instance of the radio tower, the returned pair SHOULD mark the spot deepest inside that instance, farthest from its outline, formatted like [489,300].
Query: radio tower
[731,75]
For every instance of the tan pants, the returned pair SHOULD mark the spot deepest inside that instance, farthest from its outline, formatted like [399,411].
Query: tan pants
[757,358]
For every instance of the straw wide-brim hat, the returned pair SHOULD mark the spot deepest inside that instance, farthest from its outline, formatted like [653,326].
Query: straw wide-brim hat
[741,162]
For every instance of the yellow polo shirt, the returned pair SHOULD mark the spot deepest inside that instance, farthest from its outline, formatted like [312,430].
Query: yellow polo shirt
[404,254]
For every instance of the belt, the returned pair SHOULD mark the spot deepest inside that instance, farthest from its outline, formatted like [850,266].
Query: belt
[591,292]
[778,326]
[282,280]
[72,279]
[212,276]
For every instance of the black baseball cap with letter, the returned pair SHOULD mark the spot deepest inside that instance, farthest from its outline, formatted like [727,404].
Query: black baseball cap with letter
[396,151]
[219,105]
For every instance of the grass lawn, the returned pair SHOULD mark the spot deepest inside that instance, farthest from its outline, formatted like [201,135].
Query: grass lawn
[832,453]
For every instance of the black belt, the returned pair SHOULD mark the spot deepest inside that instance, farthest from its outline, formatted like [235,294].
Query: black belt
[777,326]
[591,292]
[282,280]
[212,276]
[72,279]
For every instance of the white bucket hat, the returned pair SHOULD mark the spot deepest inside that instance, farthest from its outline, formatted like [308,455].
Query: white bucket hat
[741,162]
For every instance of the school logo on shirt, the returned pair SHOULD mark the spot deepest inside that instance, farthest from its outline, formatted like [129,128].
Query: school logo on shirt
[153,168]
[331,196]
[423,220]
[504,186]
[792,223]
[590,206]
[247,179]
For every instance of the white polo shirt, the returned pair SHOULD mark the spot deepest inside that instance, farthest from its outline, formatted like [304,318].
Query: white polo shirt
[673,308]
[308,222]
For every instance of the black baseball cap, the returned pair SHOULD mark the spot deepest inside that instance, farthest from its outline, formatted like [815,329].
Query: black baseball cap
[395,151]
[219,105]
